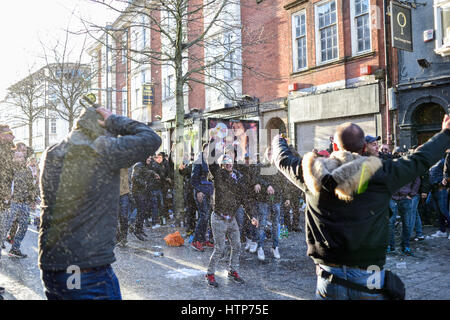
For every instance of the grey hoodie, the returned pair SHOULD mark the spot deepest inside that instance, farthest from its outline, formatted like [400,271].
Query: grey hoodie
[80,188]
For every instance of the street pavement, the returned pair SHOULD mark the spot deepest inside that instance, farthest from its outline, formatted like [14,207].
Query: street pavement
[179,273]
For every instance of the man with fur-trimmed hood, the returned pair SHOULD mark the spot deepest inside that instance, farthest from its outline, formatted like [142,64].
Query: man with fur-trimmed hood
[347,213]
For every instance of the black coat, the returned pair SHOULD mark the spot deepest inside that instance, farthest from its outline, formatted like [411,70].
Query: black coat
[355,231]
[229,193]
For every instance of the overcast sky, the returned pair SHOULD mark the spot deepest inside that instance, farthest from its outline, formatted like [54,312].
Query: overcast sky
[23,23]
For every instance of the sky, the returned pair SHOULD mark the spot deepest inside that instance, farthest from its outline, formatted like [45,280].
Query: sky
[24,23]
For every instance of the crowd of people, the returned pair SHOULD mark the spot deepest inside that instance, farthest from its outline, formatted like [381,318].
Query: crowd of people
[239,203]
[259,200]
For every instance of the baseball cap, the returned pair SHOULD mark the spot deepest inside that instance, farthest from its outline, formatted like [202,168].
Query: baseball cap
[224,159]
[370,139]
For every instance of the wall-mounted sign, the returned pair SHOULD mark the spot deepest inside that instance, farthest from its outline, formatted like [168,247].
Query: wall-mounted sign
[428,35]
[401,26]
[147,95]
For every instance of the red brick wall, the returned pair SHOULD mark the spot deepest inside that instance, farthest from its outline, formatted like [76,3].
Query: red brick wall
[266,51]
[196,54]
[156,73]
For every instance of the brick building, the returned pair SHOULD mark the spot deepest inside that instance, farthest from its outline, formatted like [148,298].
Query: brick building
[302,67]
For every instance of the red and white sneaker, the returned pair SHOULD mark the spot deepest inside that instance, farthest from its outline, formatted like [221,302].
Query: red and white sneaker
[211,280]
[208,244]
[196,245]
[234,276]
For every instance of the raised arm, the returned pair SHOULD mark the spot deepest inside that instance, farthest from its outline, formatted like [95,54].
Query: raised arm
[136,143]
[288,164]
[404,170]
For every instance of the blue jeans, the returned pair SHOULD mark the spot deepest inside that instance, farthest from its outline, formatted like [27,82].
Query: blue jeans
[22,212]
[203,218]
[404,208]
[99,284]
[329,291]
[156,204]
[264,209]
[440,199]
[415,223]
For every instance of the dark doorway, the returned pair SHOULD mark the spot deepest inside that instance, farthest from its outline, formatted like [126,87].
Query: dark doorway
[427,121]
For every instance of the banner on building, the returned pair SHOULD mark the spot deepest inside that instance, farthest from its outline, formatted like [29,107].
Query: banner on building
[401,26]
[240,135]
[147,95]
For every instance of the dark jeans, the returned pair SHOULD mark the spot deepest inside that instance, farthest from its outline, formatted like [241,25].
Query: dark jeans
[124,212]
[440,198]
[203,218]
[21,211]
[156,204]
[248,230]
[190,211]
[143,210]
[405,210]
[99,284]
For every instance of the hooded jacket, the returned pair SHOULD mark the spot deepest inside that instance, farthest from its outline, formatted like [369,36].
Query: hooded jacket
[348,196]
[80,189]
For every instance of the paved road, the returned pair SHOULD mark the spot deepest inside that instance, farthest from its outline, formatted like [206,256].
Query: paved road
[179,274]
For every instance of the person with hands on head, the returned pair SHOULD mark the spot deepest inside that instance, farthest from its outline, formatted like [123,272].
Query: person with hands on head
[80,190]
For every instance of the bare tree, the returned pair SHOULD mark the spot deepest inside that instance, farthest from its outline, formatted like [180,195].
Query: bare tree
[26,96]
[67,78]
[201,42]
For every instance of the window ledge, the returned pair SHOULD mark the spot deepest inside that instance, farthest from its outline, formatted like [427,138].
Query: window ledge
[444,50]
[333,63]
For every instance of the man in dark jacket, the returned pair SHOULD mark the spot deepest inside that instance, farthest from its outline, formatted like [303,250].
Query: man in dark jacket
[403,202]
[185,170]
[269,196]
[147,183]
[228,197]
[80,189]
[347,198]
[439,194]
[203,190]
[6,178]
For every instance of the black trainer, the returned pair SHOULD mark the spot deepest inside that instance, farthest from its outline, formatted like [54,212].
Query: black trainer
[17,254]
[2,290]
[140,236]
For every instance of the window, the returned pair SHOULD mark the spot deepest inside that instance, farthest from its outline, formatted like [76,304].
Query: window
[168,86]
[230,67]
[326,32]
[142,77]
[299,40]
[124,105]
[53,126]
[442,26]
[360,25]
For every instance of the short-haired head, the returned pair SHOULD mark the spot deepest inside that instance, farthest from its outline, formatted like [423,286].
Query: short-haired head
[350,137]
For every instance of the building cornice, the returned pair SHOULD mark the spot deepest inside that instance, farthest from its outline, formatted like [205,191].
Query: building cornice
[293,4]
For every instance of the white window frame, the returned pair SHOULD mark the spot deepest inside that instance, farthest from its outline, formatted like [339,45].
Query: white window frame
[167,89]
[441,48]
[354,30]
[230,65]
[53,126]
[294,41]
[317,32]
